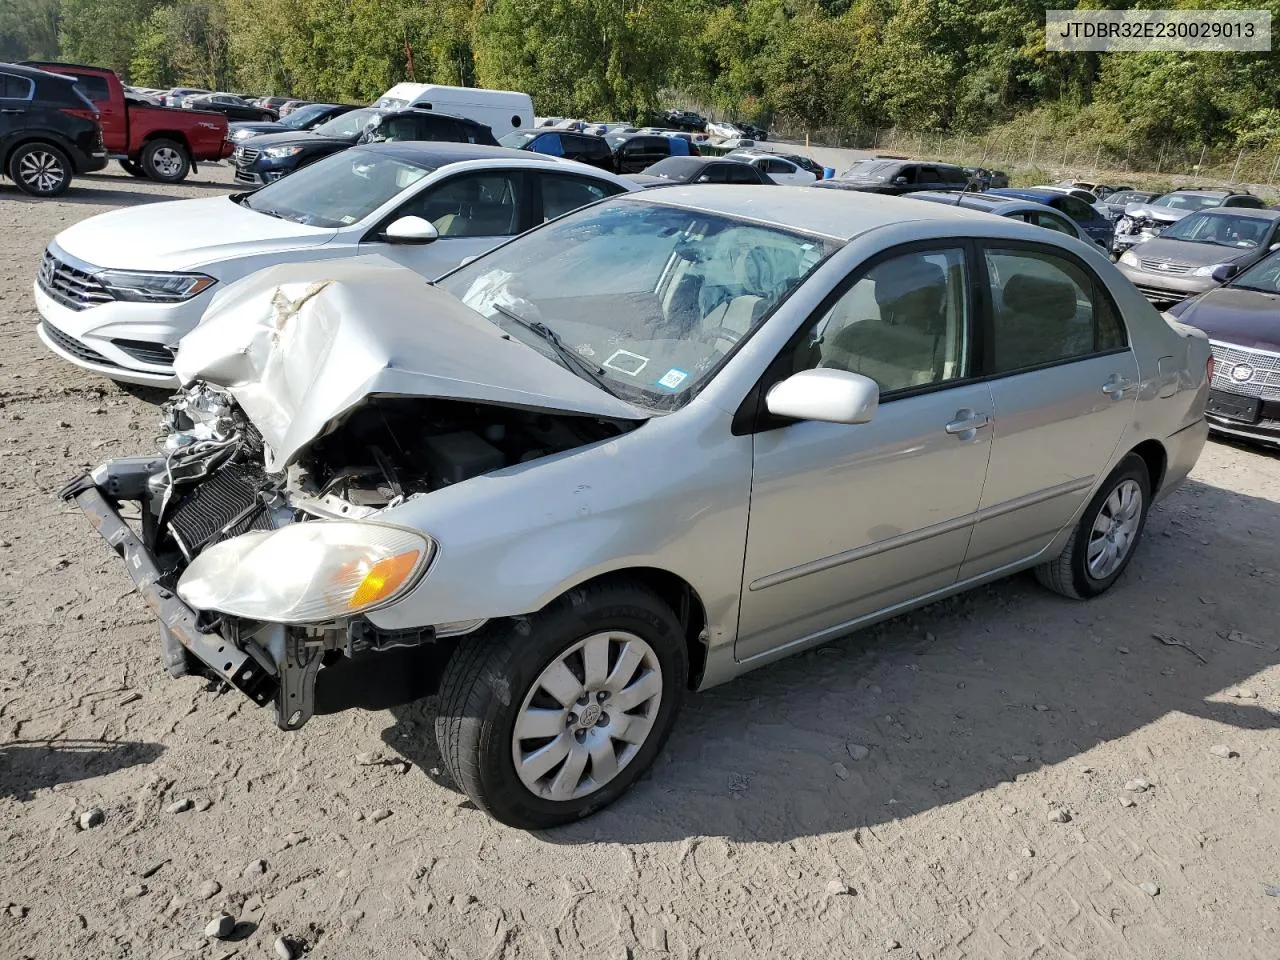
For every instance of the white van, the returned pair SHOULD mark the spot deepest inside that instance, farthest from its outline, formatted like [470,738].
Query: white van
[500,110]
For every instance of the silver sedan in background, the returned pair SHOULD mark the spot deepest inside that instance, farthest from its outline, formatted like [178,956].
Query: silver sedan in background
[641,450]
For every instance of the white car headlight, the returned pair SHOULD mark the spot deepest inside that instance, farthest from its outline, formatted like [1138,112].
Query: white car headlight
[1207,269]
[307,572]
[242,134]
[282,151]
[1129,257]
[154,287]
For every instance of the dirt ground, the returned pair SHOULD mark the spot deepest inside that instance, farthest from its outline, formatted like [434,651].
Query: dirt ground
[895,794]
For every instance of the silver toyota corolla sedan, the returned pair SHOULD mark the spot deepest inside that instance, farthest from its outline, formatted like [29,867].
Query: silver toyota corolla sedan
[638,451]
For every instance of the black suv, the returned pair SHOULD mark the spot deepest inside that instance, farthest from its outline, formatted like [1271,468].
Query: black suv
[884,175]
[261,160]
[583,147]
[48,131]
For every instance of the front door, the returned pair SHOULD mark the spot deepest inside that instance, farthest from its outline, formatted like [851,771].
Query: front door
[847,520]
[473,213]
[1064,384]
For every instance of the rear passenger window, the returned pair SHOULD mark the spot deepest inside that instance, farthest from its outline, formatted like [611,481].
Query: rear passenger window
[1046,309]
[903,323]
[1051,222]
[550,144]
[561,194]
[397,129]
[15,88]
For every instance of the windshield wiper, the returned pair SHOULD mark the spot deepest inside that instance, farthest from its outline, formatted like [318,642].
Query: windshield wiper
[571,359]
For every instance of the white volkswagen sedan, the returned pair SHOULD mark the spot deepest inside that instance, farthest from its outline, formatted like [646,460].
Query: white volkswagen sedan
[116,292]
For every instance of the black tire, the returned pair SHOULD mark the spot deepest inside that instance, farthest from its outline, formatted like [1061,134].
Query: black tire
[40,170]
[166,161]
[1069,574]
[490,675]
[133,169]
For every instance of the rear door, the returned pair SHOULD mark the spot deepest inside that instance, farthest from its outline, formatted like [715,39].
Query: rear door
[559,193]
[16,96]
[1064,384]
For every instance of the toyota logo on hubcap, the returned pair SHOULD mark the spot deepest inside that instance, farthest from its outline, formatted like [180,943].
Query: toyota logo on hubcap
[1241,373]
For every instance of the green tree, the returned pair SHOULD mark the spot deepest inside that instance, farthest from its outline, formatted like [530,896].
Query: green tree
[103,32]
[29,29]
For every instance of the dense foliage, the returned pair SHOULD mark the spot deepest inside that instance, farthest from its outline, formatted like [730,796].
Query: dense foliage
[961,66]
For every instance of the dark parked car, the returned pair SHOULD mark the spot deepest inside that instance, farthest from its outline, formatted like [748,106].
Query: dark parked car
[1098,228]
[1200,251]
[633,152]
[880,175]
[700,170]
[1242,319]
[306,118]
[1113,204]
[686,120]
[269,157]
[230,106]
[49,131]
[583,147]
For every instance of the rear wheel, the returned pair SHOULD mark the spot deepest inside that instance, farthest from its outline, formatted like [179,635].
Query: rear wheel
[133,169]
[547,719]
[1106,537]
[166,161]
[40,169]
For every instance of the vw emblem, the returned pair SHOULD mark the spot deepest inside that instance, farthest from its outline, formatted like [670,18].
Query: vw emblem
[1242,373]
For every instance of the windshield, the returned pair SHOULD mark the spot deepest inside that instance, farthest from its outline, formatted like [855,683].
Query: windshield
[1186,201]
[1263,276]
[518,138]
[870,170]
[616,139]
[305,115]
[653,297]
[1220,229]
[349,124]
[337,191]
[675,168]
[391,103]
[1128,196]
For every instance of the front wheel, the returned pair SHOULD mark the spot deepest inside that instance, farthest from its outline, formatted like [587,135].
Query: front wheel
[546,719]
[40,169]
[166,161]
[1106,536]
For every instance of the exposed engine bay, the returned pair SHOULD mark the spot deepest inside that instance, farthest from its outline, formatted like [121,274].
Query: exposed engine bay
[1135,224]
[212,485]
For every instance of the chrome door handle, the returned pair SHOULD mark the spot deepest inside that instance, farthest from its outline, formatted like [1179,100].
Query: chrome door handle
[966,421]
[11,110]
[1115,387]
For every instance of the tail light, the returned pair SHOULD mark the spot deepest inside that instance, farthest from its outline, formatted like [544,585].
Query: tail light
[79,112]
[1208,369]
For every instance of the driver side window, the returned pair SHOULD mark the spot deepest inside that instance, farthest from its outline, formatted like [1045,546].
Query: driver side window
[903,323]
[471,205]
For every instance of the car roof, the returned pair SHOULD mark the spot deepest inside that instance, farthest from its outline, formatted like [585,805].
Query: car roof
[984,202]
[1039,194]
[35,73]
[436,153]
[831,213]
[1195,192]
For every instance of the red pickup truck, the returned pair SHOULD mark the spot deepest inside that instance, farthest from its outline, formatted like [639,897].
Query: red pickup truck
[159,143]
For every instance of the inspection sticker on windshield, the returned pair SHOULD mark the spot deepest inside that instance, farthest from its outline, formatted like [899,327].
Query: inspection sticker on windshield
[624,361]
[672,378]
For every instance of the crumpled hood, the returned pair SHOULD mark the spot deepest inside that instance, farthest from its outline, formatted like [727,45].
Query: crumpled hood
[182,235]
[301,344]
[1146,211]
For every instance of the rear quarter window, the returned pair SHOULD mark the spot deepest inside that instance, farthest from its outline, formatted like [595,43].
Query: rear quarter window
[95,88]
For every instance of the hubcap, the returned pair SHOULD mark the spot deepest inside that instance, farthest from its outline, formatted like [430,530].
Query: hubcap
[1115,530]
[167,161]
[41,170]
[587,715]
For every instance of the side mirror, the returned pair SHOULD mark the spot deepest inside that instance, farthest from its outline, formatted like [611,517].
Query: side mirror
[831,396]
[411,230]
[1224,273]
[899,179]
[1274,246]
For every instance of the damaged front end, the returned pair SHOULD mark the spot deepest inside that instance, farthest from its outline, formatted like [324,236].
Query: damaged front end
[1142,222]
[264,529]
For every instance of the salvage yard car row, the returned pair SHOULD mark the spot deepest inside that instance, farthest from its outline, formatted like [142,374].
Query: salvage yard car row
[594,444]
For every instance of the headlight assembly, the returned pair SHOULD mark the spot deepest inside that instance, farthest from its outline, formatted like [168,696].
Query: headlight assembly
[1129,257]
[154,287]
[307,572]
[283,151]
[1207,269]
